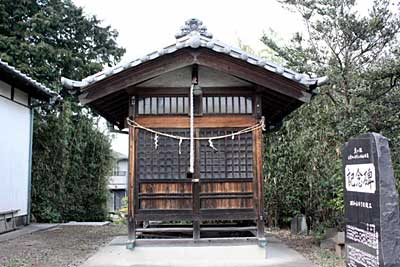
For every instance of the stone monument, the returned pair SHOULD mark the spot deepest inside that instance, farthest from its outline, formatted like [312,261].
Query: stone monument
[372,233]
[299,225]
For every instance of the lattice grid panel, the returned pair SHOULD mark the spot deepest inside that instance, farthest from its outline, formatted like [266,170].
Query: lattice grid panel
[233,158]
[165,162]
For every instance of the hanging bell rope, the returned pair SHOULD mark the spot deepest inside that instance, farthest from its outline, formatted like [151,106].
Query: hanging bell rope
[191,162]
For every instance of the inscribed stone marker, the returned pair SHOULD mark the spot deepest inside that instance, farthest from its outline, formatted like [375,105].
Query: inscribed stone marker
[371,203]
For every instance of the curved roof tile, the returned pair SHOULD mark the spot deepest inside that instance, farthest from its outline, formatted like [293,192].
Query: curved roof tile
[193,34]
[41,90]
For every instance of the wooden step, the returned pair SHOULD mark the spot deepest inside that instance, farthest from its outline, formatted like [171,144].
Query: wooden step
[165,230]
[228,229]
[199,242]
[190,229]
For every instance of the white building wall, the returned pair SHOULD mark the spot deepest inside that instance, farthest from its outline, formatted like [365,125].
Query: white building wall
[123,165]
[14,154]
[116,183]
[119,181]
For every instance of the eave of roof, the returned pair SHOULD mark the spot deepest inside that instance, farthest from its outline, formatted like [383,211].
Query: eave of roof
[27,84]
[194,35]
[119,156]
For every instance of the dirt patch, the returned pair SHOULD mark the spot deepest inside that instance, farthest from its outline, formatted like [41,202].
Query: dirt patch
[64,246]
[306,246]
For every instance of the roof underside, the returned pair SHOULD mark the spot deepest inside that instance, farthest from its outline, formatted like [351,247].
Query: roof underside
[115,107]
[207,77]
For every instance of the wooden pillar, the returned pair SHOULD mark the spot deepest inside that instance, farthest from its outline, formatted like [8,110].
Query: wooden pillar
[258,146]
[131,180]
[196,189]
[260,183]
[196,230]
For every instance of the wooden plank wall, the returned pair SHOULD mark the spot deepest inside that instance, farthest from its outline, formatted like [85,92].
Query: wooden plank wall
[165,196]
[226,195]
[213,195]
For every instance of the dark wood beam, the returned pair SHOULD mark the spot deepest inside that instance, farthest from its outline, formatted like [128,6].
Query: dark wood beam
[171,91]
[136,75]
[216,121]
[111,100]
[253,74]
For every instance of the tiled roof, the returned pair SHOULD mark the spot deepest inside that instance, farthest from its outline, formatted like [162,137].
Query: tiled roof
[119,156]
[194,35]
[28,81]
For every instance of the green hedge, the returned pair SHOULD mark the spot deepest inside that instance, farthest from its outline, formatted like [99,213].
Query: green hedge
[71,162]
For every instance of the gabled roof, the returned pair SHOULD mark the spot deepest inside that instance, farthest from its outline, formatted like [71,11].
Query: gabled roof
[194,35]
[25,83]
[282,90]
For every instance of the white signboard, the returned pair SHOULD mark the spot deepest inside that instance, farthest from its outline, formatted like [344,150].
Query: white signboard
[360,178]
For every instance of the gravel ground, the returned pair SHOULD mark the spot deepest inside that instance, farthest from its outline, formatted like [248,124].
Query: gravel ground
[64,246]
[69,246]
[307,247]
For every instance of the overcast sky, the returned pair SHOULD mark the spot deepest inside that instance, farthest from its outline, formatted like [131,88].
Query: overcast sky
[148,25]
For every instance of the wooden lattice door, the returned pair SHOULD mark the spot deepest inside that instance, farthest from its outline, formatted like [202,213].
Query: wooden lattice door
[226,172]
[223,178]
[162,172]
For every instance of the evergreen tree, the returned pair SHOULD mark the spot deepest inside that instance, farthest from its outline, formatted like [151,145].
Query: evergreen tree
[48,39]
[360,55]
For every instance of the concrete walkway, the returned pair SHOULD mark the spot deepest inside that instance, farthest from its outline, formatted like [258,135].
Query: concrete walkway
[29,229]
[278,255]
[73,223]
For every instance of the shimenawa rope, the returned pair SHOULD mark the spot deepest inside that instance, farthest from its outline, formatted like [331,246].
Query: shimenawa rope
[134,124]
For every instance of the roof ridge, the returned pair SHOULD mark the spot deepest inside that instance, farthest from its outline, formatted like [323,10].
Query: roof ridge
[195,35]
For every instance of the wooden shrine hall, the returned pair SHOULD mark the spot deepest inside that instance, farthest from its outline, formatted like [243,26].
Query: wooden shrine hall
[195,111]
